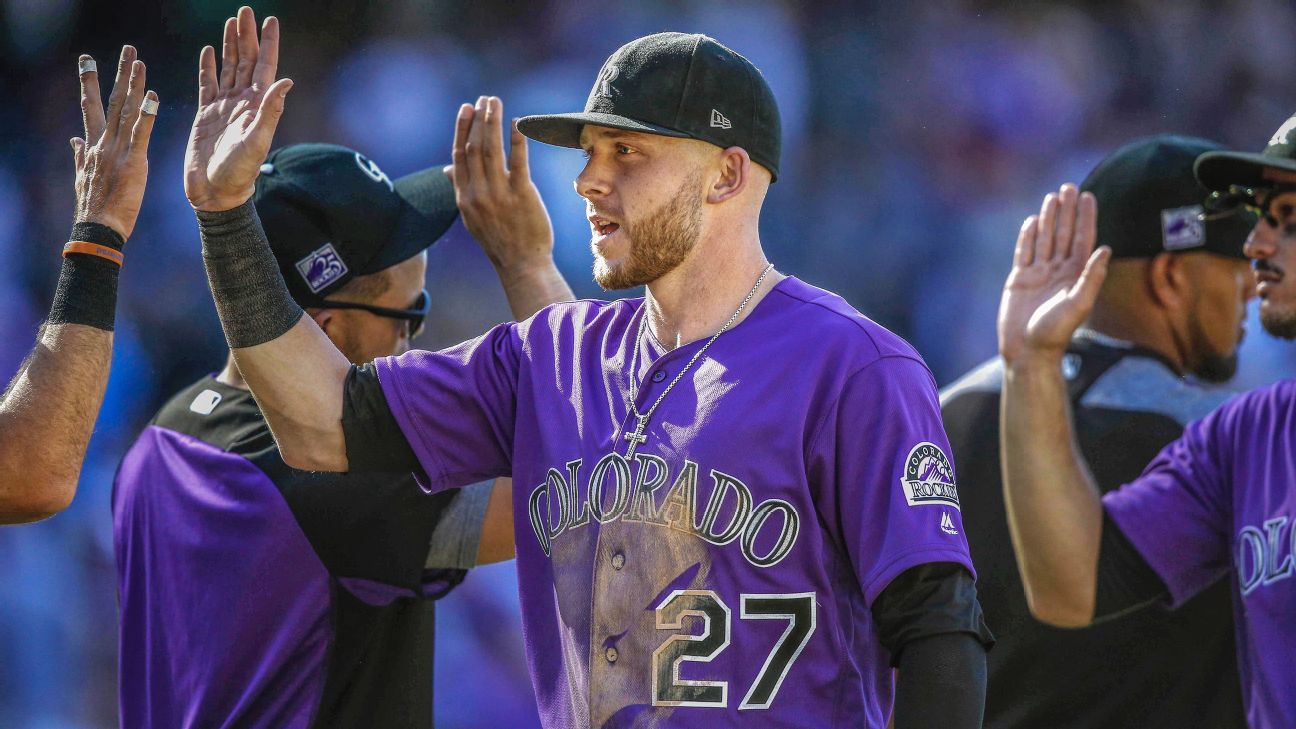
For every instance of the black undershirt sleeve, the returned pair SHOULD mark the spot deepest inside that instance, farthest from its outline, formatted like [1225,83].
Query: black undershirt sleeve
[1125,580]
[930,620]
[941,683]
[374,440]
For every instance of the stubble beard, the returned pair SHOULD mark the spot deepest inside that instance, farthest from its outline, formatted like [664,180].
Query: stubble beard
[1212,367]
[1279,323]
[659,241]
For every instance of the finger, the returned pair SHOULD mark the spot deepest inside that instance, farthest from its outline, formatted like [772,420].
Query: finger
[1086,233]
[1085,291]
[229,54]
[493,139]
[207,83]
[247,48]
[134,99]
[92,113]
[143,129]
[1024,255]
[268,114]
[520,171]
[1047,223]
[78,152]
[267,64]
[475,166]
[458,154]
[1066,221]
[118,94]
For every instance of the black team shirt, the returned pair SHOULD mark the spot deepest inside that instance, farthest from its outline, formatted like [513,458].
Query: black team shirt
[1147,669]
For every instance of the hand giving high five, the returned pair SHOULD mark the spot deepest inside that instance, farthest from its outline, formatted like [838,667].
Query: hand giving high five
[111,162]
[237,114]
[1054,279]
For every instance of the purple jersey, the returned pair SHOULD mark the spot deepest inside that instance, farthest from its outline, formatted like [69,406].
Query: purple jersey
[724,574]
[1220,500]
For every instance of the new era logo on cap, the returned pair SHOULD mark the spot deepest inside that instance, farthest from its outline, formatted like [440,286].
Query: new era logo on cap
[321,268]
[719,121]
[1183,227]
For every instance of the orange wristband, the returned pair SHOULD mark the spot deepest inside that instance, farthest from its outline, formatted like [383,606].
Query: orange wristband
[94,249]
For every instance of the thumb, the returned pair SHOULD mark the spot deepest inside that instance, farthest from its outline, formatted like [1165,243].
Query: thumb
[1085,291]
[272,107]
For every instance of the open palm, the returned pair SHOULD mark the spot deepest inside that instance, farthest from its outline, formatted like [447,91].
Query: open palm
[237,114]
[1054,279]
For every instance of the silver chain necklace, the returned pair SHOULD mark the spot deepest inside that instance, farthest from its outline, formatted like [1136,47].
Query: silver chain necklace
[637,438]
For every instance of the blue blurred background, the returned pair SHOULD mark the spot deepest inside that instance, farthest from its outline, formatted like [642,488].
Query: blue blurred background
[916,138]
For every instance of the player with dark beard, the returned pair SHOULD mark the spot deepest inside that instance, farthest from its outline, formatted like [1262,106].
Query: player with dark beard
[1172,306]
[1217,502]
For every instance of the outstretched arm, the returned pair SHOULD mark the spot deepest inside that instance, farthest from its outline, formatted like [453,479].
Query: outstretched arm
[293,369]
[49,408]
[1054,508]
[503,210]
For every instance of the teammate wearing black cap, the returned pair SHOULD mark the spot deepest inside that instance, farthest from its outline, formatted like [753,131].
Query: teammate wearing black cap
[1217,502]
[738,507]
[1172,306]
[253,594]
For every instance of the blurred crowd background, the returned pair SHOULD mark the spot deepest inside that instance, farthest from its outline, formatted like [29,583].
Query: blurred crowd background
[916,137]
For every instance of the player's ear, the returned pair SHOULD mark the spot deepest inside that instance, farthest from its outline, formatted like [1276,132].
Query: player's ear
[1168,280]
[734,175]
[323,317]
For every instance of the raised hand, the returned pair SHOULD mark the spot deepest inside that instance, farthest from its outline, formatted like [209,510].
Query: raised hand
[237,114]
[111,160]
[500,204]
[1055,278]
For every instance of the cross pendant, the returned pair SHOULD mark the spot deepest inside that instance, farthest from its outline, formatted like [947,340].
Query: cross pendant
[636,438]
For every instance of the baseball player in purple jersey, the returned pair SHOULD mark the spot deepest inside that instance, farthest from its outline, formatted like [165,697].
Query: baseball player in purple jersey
[732,497]
[1217,502]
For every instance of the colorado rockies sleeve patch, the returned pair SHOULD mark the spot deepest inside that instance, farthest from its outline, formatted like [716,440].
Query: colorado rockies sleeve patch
[928,477]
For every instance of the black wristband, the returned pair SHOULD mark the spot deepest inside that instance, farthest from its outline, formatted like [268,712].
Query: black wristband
[251,298]
[87,285]
[97,233]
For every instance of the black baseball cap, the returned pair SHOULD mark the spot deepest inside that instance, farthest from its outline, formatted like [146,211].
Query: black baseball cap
[1149,202]
[1219,170]
[676,85]
[332,214]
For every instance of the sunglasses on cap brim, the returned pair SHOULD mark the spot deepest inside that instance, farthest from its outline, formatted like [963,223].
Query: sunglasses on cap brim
[1240,198]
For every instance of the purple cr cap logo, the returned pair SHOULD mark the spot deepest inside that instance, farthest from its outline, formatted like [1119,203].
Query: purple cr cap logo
[1183,228]
[321,268]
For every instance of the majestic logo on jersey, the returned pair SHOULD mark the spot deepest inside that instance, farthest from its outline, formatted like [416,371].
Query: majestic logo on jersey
[928,477]
[947,524]
[321,268]
[764,532]
[1183,227]
[205,402]
[1265,555]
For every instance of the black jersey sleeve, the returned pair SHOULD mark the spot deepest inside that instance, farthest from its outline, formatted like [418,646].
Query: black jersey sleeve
[374,440]
[929,599]
[1125,580]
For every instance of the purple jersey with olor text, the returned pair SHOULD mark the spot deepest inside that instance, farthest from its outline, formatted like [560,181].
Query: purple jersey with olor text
[724,575]
[1222,500]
